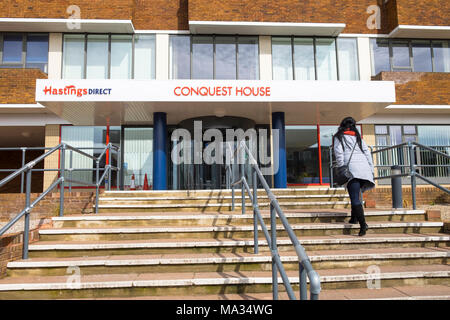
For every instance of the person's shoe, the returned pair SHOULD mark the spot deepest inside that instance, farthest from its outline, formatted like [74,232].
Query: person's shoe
[362,230]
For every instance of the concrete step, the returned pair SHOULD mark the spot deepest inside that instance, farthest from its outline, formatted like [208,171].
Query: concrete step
[231,231]
[201,283]
[430,292]
[221,192]
[221,200]
[55,249]
[217,207]
[209,219]
[215,262]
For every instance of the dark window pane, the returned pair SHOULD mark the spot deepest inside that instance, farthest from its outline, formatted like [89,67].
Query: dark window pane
[202,57]
[400,54]
[37,51]
[441,52]
[180,57]
[12,48]
[380,56]
[248,58]
[225,58]
[422,56]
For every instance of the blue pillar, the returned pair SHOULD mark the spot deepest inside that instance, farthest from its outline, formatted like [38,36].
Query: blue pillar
[280,178]
[159,151]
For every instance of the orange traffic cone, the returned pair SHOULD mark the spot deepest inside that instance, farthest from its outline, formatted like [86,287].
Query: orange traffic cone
[145,183]
[133,184]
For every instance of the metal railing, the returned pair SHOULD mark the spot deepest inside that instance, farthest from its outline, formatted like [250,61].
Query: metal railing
[409,157]
[27,170]
[305,268]
[410,168]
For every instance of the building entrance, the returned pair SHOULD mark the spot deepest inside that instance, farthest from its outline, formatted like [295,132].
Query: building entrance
[201,176]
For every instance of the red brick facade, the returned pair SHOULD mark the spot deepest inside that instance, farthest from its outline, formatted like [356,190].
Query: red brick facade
[431,88]
[19,85]
[173,14]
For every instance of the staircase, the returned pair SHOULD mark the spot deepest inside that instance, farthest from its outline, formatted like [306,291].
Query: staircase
[189,244]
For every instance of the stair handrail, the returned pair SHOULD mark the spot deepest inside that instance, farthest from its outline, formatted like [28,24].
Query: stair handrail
[412,173]
[305,268]
[27,169]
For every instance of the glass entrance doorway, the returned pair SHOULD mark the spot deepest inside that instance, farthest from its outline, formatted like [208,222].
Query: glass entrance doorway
[194,176]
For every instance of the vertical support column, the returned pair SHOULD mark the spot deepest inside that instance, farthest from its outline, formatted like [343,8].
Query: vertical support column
[159,151]
[274,250]
[280,176]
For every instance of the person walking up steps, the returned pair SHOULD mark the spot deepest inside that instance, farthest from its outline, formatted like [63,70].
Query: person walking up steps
[349,149]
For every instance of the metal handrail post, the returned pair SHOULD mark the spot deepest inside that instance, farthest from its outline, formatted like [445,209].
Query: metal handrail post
[26,227]
[412,172]
[61,187]
[302,282]
[255,208]
[22,177]
[118,169]
[109,167]
[70,170]
[242,188]
[274,250]
[97,185]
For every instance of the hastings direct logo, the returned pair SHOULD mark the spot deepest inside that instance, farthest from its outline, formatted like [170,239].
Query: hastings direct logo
[74,91]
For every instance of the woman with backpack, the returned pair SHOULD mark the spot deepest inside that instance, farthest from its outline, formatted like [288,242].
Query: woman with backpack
[354,158]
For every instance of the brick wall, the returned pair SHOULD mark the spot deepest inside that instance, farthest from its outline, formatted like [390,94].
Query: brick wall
[381,197]
[419,87]
[423,13]
[352,13]
[11,247]
[75,203]
[19,85]
[11,243]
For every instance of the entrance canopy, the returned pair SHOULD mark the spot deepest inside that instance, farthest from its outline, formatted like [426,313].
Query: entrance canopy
[96,102]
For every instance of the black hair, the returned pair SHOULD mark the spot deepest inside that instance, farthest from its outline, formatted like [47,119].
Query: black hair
[347,124]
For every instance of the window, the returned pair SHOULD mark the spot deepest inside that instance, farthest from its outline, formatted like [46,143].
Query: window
[435,136]
[301,58]
[144,57]
[304,59]
[410,55]
[214,57]
[102,56]
[92,140]
[282,58]
[18,50]
[121,56]
[97,57]
[202,57]
[348,59]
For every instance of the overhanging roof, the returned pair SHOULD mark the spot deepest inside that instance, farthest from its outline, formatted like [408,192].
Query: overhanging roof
[135,101]
[426,32]
[66,25]
[266,28]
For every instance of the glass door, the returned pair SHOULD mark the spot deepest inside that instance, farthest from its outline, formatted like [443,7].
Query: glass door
[137,157]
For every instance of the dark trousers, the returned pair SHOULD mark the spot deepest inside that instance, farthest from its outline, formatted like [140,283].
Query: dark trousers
[354,191]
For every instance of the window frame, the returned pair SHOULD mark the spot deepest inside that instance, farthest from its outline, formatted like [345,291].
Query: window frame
[336,46]
[411,54]
[22,64]
[214,36]
[85,37]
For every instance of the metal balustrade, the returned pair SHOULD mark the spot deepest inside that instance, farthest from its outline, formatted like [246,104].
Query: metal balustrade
[305,268]
[26,172]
